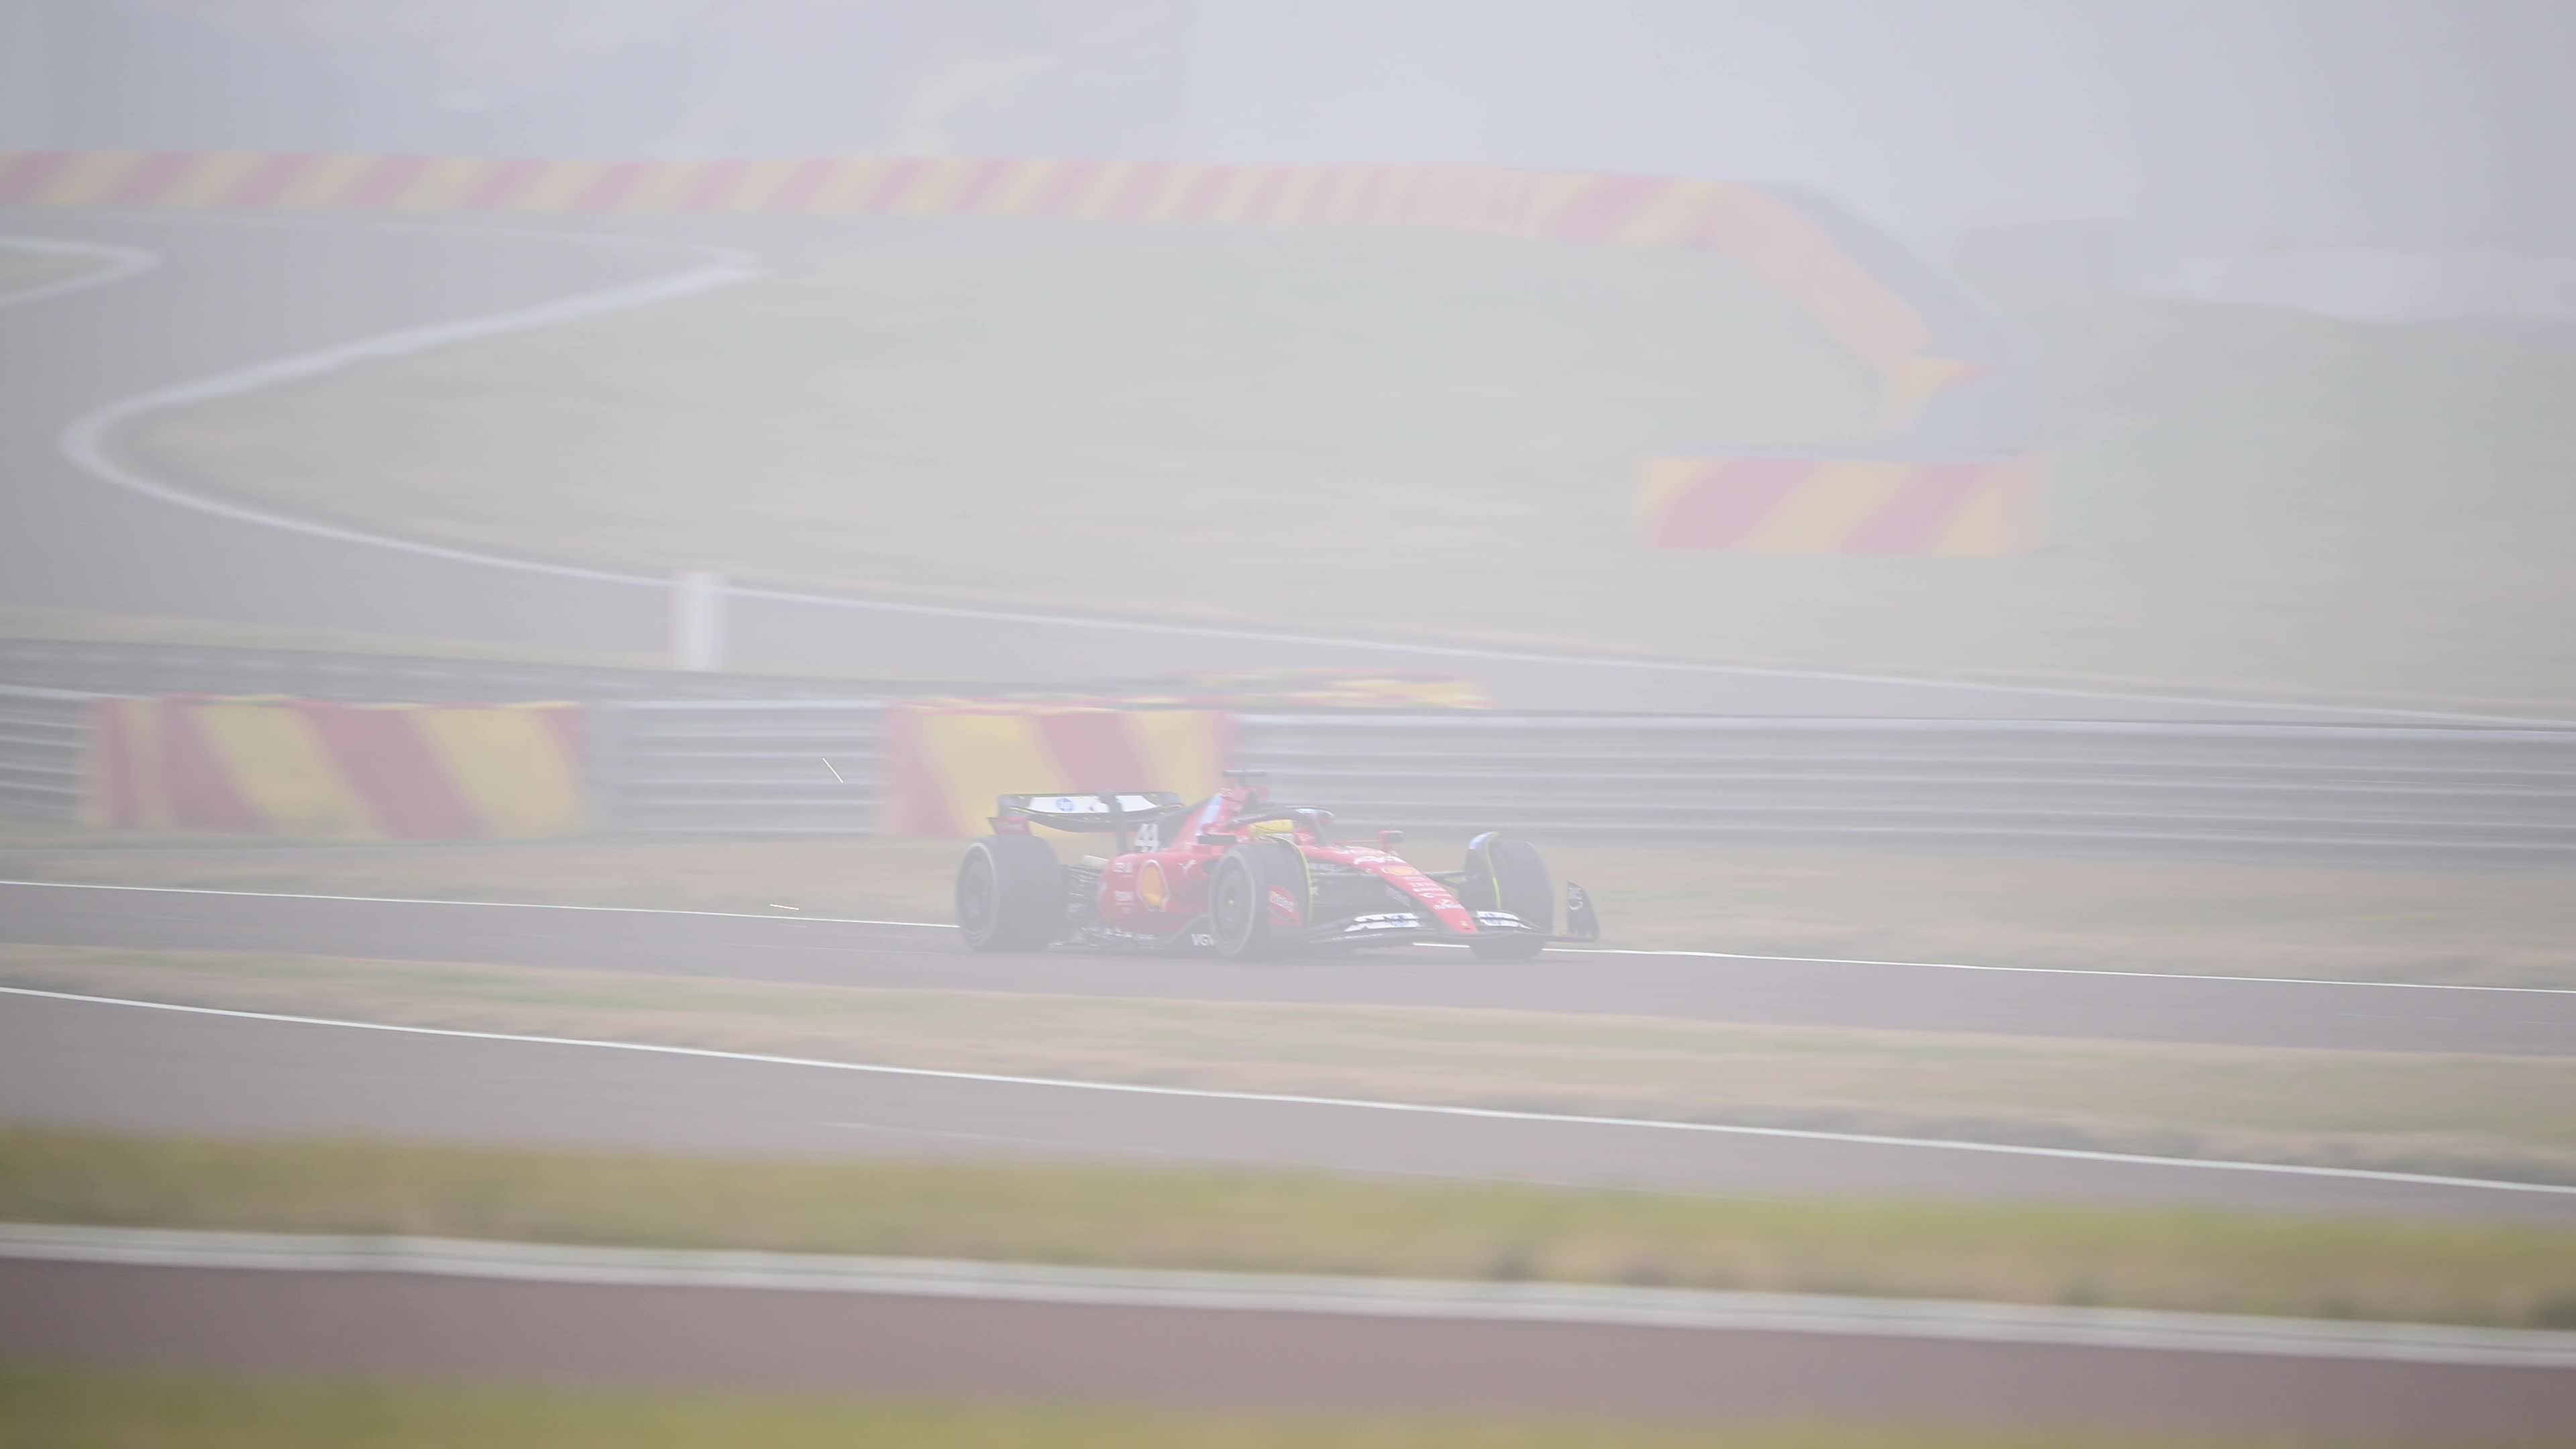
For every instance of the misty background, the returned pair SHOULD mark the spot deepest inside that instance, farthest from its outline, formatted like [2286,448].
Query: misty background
[2393,158]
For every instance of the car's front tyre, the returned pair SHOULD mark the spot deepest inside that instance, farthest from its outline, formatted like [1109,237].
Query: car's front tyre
[1256,885]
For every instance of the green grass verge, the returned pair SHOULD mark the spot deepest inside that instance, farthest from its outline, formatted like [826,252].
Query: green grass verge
[2492,928]
[1445,433]
[1294,1222]
[56,1408]
[2492,1116]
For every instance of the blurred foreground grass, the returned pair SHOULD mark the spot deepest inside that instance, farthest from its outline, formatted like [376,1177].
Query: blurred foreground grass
[1445,434]
[2181,1259]
[55,1408]
[2502,927]
[2485,1116]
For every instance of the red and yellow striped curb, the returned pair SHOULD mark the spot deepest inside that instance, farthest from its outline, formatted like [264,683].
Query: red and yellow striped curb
[1770,235]
[318,770]
[1811,506]
[1877,311]
[944,763]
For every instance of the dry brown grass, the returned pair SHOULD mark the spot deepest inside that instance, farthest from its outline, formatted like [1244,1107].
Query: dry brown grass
[130,1410]
[1300,1222]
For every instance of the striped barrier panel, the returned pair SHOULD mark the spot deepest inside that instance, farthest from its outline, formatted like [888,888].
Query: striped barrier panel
[1803,506]
[317,770]
[945,762]
[1952,388]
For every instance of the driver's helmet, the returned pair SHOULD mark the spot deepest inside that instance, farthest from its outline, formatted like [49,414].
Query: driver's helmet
[1271,827]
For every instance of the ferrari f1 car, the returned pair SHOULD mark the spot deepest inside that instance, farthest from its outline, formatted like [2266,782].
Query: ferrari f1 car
[1238,876]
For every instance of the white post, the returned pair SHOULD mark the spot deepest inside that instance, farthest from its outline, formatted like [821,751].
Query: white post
[697,621]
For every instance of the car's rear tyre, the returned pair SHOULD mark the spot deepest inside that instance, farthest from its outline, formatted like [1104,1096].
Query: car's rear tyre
[1504,874]
[1010,894]
[1239,901]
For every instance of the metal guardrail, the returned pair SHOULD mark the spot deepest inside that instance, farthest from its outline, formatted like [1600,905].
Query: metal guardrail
[42,735]
[2308,792]
[783,768]
[2315,791]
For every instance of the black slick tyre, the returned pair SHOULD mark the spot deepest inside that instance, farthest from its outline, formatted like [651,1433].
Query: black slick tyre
[1010,894]
[1240,898]
[1504,874]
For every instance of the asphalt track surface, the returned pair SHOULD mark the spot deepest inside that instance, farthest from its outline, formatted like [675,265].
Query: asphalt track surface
[233,293]
[230,294]
[1788,992]
[380,1324]
[106,1066]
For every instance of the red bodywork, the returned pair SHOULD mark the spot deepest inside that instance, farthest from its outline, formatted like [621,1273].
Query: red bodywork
[1158,884]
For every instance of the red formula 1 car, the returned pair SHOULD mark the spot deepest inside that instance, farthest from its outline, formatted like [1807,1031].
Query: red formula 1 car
[1238,876]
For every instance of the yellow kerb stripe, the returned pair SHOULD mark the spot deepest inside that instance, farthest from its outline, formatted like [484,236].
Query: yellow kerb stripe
[2000,517]
[972,757]
[660,186]
[559,185]
[208,180]
[510,766]
[1668,213]
[1916,381]
[1017,191]
[320,181]
[1183,749]
[1832,500]
[934,186]
[1668,479]
[756,183]
[442,183]
[277,760]
[847,185]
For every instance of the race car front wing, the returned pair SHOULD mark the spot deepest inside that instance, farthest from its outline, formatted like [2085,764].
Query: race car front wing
[1407,927]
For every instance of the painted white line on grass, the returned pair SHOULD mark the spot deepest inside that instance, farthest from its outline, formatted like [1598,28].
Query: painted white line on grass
[1353,1104]
[2078,971]
[122,262]
[84,442]
[84,439]
[1558,1303]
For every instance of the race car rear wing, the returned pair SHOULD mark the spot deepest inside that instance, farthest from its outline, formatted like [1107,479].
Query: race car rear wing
[1097,814]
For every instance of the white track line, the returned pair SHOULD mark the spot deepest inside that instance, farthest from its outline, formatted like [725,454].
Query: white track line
[122,262]
[1560,1303]
[1355,1104]
[1565,950]
[67,885]
[84,442]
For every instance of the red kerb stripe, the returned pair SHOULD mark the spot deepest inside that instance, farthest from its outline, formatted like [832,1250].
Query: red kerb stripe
[383,183]
[1601,206]
[1095,749]
[143,185]
[21,177]
[202,793]
[388,764]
